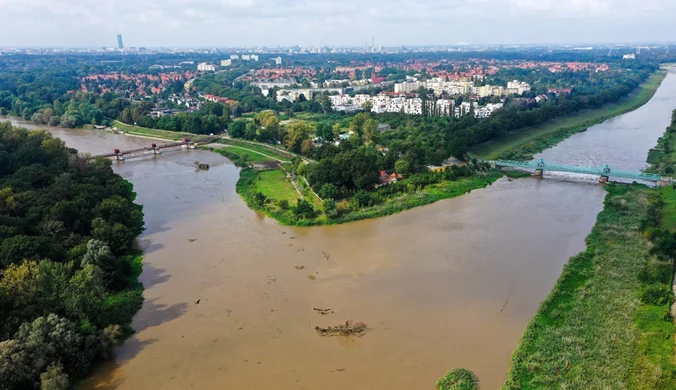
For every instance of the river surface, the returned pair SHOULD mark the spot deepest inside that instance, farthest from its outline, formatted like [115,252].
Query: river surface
[447,285]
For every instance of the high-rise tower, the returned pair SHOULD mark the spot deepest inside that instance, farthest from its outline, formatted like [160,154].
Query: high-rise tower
[120,45]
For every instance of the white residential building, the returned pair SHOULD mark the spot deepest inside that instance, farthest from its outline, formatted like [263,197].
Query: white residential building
[254,57]
[226,62]
[488,110]
[246,57]
[517,87]
[204,67]
[631,56]
[278,61]
[409,86]
[234,57]
[464,108]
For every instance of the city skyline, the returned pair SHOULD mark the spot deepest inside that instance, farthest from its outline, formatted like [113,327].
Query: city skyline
[245,23]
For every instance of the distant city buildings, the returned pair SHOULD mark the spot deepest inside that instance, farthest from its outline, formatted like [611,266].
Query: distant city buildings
[205,67]
[454,87]
[412,106]
[120,45]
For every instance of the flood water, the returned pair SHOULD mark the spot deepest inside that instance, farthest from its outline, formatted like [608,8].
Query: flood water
[447,285]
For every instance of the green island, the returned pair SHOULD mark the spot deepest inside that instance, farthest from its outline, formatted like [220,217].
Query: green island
[278,190]
[69,266]
[608,322]
[522,144]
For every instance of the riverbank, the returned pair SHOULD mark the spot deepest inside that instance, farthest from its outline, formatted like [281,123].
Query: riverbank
[523,144]
[662,157]
[282,195]
[606,323]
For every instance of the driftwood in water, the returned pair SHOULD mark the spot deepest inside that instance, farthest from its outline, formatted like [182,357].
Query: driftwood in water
[202,166]
[348,329]
[328,310]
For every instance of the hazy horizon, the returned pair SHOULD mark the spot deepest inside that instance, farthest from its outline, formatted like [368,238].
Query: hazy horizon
[348,23]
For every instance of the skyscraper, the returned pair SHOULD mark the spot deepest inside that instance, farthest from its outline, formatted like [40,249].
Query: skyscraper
[120,45]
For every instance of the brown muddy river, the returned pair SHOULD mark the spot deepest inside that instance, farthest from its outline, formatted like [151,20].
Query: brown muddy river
[442,286]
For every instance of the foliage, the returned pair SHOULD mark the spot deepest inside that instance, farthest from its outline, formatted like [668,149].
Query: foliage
[66,228]
[458,379]
[662,158]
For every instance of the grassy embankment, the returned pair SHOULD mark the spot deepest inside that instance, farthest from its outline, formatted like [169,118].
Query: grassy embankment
[524,143]
[154,133]
[607,323]
[662,158]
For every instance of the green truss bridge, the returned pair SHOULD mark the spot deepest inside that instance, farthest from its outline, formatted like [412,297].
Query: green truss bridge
[604,173]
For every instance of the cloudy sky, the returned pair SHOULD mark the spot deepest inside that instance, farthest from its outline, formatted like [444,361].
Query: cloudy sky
[233,23]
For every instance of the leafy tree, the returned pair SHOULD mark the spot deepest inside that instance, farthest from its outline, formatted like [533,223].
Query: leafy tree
[371,131]
[328,191]
[54,379]
[304,210]
[458,379]
[403,167]
[237,128]
[298,132]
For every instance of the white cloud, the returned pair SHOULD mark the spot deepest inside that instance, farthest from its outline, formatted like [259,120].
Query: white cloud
[247,22]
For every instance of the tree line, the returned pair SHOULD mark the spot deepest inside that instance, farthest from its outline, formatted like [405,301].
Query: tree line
[68,287]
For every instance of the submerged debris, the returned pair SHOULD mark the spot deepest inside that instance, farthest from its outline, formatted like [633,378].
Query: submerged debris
[202,166]
[299,267]
[311,277]
[328,310]
[350,328]
[192,239]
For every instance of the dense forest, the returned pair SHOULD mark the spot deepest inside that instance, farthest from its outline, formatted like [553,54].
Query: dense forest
[68,268]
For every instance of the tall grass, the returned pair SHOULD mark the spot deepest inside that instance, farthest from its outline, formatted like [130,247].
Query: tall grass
[594,331]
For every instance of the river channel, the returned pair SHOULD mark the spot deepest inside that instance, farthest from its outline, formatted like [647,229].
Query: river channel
[447,285]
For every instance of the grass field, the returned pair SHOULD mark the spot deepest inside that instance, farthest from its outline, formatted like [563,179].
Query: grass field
[569,125]
[595,330]
[275,185]
[144,131]
[668,220]
[259,148]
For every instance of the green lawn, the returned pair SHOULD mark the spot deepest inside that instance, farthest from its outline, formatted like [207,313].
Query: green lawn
[275,185]
[570,124]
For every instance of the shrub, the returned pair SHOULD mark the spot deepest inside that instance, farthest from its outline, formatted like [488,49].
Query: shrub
[458,379]
[283,204]
[656,294]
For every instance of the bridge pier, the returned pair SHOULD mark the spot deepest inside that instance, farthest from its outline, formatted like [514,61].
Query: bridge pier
[155,149]
[539,173]
[603,179]
[118,155]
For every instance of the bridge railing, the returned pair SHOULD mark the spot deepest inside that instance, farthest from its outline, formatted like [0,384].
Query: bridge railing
[597,171]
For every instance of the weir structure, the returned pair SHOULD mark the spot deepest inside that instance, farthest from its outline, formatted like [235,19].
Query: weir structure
[604,173]
[153,148]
